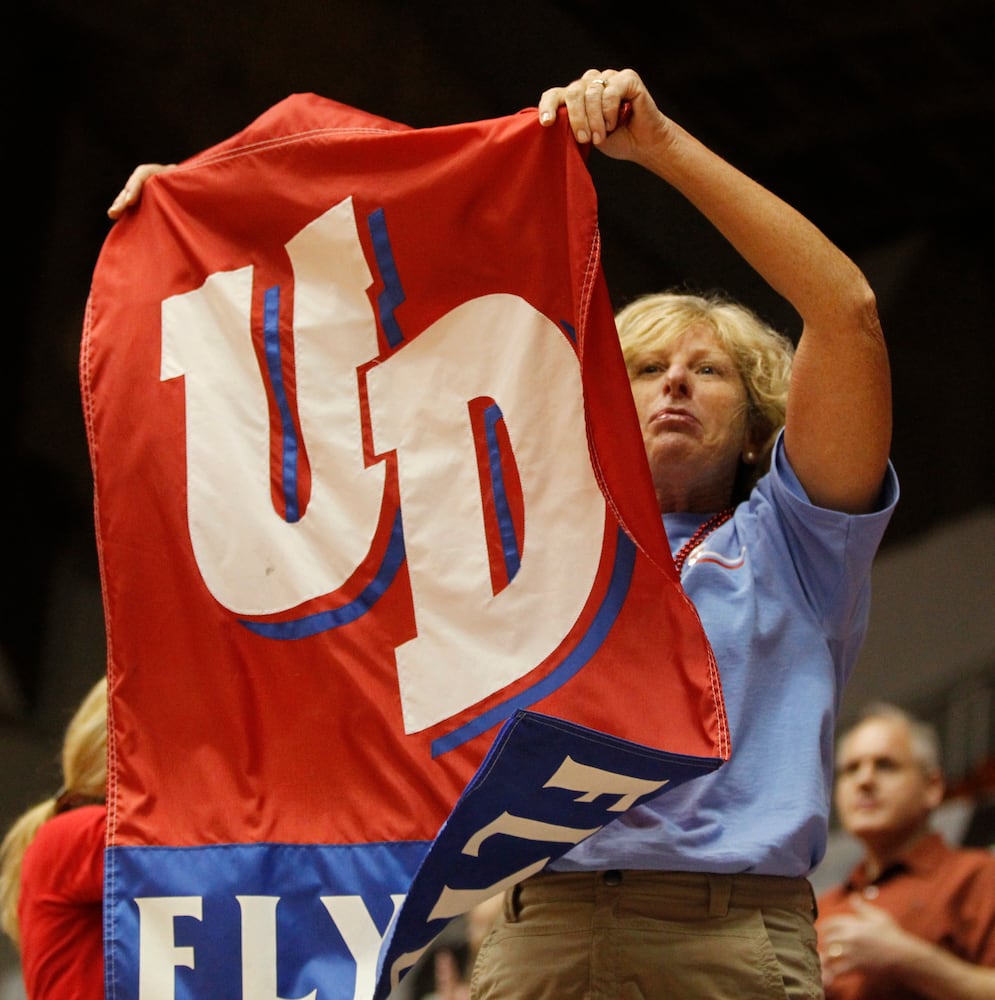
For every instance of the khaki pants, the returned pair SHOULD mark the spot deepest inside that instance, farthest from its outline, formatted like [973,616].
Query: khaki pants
[652,936]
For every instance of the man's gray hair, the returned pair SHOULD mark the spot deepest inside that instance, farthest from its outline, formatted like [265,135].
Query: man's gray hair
[923,736]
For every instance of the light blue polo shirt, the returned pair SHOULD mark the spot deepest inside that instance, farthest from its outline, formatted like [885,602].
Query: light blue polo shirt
[783,593]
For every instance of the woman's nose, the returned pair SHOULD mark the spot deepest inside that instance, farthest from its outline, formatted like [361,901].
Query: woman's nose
[675,380]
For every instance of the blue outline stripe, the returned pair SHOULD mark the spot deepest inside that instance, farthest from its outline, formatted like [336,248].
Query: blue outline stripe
[506,526]
[288,433]
[393,294]
[578,657]
[323,621]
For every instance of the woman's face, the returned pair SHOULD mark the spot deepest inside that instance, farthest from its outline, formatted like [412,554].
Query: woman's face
[692,407]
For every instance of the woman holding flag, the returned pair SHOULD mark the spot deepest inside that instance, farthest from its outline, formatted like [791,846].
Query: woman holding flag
[772,477]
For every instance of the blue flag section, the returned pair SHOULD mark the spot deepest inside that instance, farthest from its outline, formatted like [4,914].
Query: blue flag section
[252,921]
[545,785]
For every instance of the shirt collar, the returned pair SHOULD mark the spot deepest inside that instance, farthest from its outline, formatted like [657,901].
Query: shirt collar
[920,859]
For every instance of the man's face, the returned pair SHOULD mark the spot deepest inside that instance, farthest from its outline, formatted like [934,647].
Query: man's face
[883,795]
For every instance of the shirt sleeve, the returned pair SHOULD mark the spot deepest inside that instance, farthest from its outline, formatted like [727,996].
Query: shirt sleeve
[831,551]
[974,938]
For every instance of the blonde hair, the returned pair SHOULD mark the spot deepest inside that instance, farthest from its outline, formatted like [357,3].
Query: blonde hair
[762,355]
[84,775]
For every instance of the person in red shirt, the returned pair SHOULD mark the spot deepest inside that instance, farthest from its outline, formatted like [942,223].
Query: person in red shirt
[52,869]
[915,920]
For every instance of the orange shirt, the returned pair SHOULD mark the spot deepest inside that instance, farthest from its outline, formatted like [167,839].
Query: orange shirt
[943,895]
[61,907]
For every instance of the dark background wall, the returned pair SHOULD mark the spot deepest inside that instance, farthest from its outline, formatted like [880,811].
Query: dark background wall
[874,118]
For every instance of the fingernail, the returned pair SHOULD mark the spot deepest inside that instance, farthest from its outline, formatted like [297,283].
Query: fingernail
[546,116]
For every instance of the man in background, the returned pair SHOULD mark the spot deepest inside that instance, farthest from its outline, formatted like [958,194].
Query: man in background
[916,917]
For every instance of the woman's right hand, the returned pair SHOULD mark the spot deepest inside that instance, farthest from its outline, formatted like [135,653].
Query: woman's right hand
[132,189]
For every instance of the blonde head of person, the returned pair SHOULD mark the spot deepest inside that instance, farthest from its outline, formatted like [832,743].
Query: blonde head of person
[84,776]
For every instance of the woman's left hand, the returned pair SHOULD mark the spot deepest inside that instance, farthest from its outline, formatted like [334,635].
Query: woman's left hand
[612,109]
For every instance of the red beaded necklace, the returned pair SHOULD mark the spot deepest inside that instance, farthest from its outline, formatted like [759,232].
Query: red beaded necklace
[700,535]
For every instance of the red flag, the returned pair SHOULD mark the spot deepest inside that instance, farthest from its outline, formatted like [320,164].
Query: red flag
[368,485]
